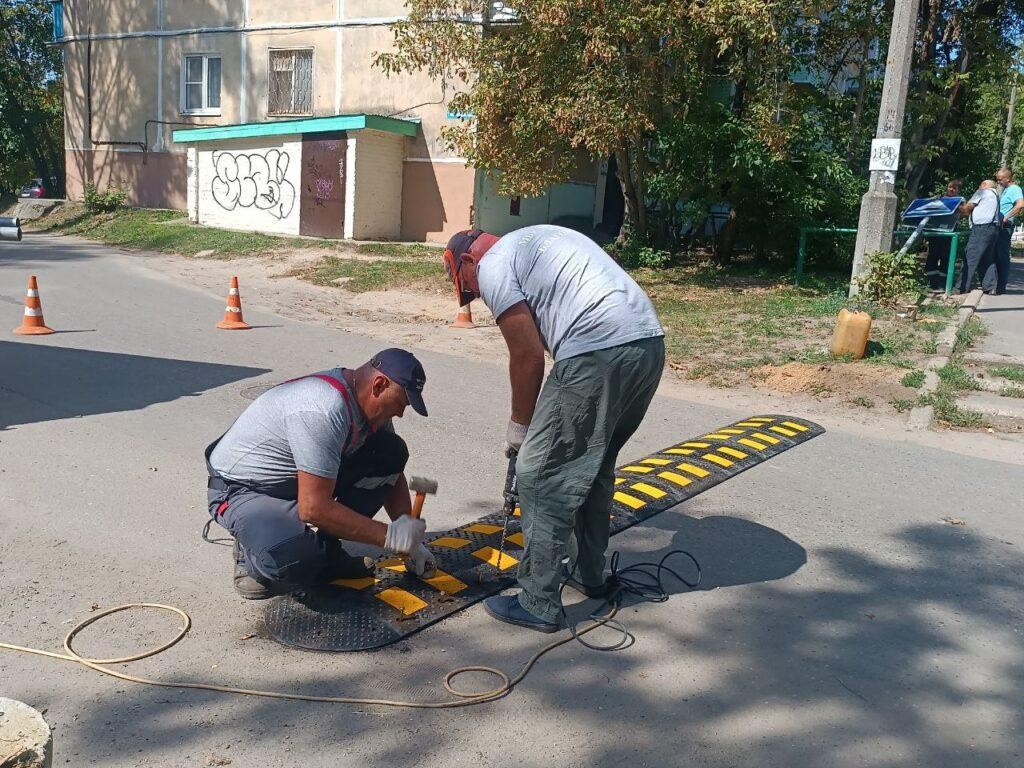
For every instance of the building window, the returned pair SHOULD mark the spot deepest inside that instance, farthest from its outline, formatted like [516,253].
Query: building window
[58,19]
[291,82]
[200,84]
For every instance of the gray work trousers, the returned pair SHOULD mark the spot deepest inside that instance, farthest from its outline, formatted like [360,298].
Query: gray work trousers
[998,272]
[979,253]
[589,407]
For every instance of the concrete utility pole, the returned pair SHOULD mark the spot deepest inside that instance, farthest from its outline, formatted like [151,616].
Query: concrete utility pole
[878,206]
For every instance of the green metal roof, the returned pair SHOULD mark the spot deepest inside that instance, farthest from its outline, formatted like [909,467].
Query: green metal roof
[302,125]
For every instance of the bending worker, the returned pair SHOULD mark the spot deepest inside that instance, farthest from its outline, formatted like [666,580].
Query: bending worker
[554,289]
[307,465]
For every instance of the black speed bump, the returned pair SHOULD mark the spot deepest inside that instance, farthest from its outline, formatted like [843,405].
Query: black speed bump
[360,614]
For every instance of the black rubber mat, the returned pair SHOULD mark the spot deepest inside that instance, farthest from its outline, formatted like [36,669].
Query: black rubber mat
[359,614]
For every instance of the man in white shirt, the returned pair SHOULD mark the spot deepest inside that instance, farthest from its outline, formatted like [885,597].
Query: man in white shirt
[553,289]
[986,222]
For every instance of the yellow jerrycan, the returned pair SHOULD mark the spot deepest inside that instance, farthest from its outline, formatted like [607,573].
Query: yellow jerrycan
[851,334]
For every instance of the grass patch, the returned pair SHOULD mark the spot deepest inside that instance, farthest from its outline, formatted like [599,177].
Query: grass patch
[401,250]
[970,332]
[914,379]
[901,405]
[1011,372]
[359,276]
[954,379]
[863,402]
[1013,392]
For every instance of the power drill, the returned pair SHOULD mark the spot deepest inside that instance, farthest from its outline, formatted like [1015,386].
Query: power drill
[511,496]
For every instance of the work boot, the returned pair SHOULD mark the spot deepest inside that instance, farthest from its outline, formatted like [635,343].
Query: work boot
[508,609]
[600,592]
[245,585]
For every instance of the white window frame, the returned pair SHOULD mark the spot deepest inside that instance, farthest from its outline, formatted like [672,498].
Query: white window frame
[206,56]
[312,82]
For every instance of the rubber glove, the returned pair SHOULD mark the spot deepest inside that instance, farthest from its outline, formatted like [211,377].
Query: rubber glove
[404,534]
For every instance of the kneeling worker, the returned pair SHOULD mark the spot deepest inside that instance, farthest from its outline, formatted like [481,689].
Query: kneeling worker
[553,289]
[307,465]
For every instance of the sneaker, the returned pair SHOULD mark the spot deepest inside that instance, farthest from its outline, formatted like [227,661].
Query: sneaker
[506,608]
[245,585]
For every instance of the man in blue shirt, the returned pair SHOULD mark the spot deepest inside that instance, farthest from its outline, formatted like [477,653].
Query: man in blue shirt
[1011,203]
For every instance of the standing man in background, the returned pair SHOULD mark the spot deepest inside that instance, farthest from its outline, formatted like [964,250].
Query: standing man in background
[1011,203]
[937,263]
[554,289]
[986,223]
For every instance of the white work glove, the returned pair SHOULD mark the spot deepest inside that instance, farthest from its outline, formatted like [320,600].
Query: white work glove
[421,562]
[404,535]
[514,437]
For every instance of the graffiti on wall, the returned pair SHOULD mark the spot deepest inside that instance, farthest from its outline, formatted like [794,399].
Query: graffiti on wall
[253,180]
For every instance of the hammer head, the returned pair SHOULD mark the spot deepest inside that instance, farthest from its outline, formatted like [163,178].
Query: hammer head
[422,485]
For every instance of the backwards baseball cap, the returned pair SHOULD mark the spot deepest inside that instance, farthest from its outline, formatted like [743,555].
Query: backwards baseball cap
[464,251]
[405,370]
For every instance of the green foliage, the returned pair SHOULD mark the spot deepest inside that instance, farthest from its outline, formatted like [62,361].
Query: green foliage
[1011,372]
[890,278]
[914,379]
[103,202]
[631,254]
[31,98]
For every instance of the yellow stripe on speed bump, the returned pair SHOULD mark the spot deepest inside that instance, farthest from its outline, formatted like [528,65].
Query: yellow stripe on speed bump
[783,431]
[363,583]
[748,424]
[761,419]
[767,438]
[485,528]
[751,443]
[694,444]
[650,490]
[619,480]
[656,462]
[500,560]
[517,539]
[406,602]
[792,425]
[715,459]
[445,582]
[718,436]
[637,468]
[696,471]
[630,501]
[449,542]
[679,451]
[732,452]
[672,477]
[731,431]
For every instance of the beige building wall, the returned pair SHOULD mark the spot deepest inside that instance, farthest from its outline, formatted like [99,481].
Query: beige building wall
[376,185]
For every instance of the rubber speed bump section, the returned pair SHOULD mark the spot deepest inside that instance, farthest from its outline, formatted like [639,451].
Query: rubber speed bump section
[406,602]
[359,614]
[491,556]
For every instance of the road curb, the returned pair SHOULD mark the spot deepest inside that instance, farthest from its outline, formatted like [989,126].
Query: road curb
[921,416]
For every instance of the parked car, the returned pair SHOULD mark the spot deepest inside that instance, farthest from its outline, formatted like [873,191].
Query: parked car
[34,188]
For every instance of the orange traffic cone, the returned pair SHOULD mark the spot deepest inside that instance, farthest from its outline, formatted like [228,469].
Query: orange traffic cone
[233,312]
[33,324]
[465,318]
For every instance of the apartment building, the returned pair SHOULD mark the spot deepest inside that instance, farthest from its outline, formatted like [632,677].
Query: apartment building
[269,116]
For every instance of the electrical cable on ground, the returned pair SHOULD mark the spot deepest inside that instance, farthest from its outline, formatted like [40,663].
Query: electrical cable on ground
[635,580]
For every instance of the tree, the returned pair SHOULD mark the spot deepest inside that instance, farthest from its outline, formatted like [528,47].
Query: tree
[31,94]
[562,76]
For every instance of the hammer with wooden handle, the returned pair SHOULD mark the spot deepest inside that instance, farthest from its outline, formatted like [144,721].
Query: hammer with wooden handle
[421,486]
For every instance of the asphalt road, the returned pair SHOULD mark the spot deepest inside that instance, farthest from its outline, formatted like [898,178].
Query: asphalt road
[841,623]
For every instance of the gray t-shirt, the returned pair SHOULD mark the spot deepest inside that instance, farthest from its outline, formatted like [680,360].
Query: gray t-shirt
[304,424]
[581,299]
[986,202]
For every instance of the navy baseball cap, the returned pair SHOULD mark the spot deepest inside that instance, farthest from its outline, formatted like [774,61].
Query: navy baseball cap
[405,370]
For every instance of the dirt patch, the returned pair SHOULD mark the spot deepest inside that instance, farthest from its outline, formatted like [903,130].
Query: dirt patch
[856,382]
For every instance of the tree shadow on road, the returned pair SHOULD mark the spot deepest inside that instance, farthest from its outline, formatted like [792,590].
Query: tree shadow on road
[39,382]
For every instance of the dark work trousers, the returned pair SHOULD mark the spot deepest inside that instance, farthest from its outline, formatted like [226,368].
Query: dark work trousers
[998,272]
[937,263]
[589,407]
[978,254]
[281,551]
